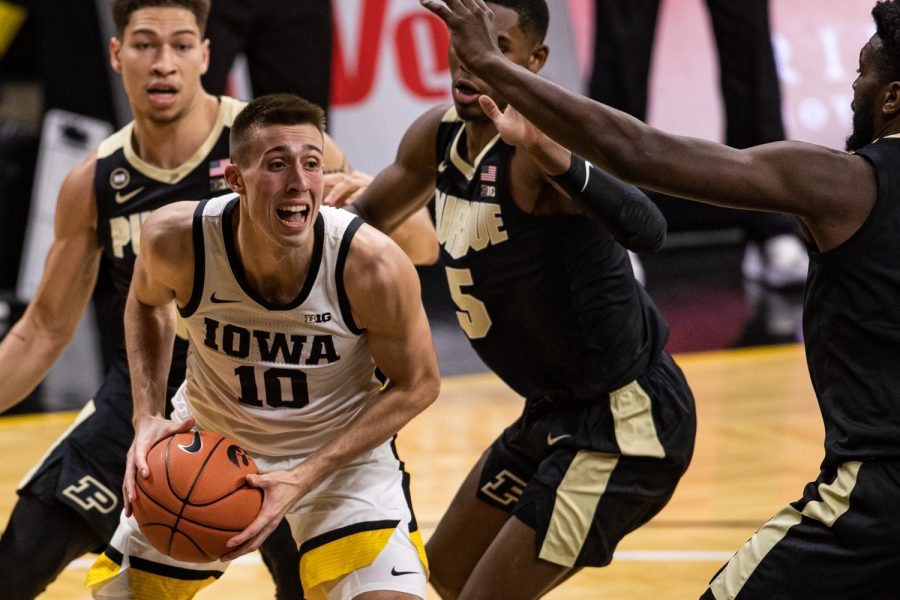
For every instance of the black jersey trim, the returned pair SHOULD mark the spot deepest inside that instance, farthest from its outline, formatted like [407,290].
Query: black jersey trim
[342,532]
[343,300]
[407,495]
[199,262]
[237,268]
[148,566]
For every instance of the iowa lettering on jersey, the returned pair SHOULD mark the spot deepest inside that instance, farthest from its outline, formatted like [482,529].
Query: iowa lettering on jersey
[463,224]
[272,346]
[126,230]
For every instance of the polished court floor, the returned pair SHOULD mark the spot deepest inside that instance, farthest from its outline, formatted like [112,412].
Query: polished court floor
[759,441]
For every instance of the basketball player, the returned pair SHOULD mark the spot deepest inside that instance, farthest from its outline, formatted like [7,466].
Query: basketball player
[545,293]
[273,287]
[839,540]
[176,148]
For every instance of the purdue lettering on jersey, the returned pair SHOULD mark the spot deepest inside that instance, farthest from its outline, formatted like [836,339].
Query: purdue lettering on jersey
[463,225]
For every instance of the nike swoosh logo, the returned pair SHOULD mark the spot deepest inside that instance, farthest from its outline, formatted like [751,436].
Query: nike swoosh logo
[442,167]
[552,440]
[196,444]
[396,573]
[215,300]
[122,199]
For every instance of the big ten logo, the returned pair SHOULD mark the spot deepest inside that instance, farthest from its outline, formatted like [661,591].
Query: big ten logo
[817,64]
[367,33]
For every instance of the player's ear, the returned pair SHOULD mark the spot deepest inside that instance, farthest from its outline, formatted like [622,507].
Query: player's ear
[538,58]
[891,106]
[234,179]
[114,47]
[204,47]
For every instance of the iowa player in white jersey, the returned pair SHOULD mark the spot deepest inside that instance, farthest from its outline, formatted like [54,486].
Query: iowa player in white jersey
[175,149]
[839,539]
[546,295]
[315,299]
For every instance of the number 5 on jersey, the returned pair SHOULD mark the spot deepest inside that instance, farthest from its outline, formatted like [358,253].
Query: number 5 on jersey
[472,314]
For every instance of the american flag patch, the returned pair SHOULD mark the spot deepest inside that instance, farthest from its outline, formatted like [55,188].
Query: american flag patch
[489,173]
[217,167]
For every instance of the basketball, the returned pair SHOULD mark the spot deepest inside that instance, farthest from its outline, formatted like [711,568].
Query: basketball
[196,497]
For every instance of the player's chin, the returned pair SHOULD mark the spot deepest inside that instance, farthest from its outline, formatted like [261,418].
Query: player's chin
[470,111]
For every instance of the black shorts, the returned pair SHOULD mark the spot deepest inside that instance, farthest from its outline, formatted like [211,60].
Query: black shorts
[85,468]
[583,476]
[840,541]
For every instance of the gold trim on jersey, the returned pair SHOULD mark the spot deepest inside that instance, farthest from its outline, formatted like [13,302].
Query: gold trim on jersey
[86,412]
[468,170]
[577,497]
[834,503]
[635,430]
[228,110]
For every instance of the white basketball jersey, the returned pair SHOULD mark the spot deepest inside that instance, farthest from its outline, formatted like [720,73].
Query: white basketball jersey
[281,380]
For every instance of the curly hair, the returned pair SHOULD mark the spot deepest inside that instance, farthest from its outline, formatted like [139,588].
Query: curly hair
[534,17]
[887,28]
[122,10]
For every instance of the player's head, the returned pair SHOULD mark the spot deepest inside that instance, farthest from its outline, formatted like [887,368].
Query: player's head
[123,9]
[876,91]
[277,147]
[161,54]
[521,26]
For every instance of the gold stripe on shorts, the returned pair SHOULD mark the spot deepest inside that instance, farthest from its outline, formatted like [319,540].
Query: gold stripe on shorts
[633,416]
[577,497]
[834,503]
[341,556]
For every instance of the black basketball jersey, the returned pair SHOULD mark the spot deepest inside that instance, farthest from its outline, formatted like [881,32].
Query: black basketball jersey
[550,304]
[851,324]
[128,189]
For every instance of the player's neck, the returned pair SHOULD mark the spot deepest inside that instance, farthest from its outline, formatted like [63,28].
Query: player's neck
[276,271]
[478,135]
[169,145]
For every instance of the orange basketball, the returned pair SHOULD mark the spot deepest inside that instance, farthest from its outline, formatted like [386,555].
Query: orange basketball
[197,496]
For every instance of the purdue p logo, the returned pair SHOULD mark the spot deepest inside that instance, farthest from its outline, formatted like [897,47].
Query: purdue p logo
[90,494]
[505,489]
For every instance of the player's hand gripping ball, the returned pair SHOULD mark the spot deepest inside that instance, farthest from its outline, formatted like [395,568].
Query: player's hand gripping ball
[197,496]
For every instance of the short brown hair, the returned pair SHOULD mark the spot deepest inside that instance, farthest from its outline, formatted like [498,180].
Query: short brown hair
[272,109]
[122,10]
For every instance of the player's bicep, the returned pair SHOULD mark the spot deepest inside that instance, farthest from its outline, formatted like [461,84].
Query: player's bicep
[72,262]
[406,184]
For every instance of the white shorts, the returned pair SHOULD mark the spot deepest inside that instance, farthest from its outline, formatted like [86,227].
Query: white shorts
[343,527]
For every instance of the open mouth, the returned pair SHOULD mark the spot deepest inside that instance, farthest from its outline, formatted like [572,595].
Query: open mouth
[162,93]
[465,93]
[294,216]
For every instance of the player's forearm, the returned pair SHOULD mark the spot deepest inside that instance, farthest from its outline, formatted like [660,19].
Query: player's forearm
[599,133]
[26,355]
[386,415]
[149,338]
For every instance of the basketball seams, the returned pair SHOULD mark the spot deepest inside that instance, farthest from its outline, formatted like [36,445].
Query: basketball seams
[189,537]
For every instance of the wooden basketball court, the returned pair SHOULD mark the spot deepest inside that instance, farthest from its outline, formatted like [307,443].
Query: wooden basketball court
[759,440]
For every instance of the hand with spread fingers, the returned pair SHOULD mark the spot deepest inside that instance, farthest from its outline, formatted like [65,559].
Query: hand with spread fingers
[471,26]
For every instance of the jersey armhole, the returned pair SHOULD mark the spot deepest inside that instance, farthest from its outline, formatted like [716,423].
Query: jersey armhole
[343,301]
[199,263]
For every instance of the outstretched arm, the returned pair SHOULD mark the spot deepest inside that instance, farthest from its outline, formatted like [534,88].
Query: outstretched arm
[70,272]
[384,294]
[831,191]
[619,208]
